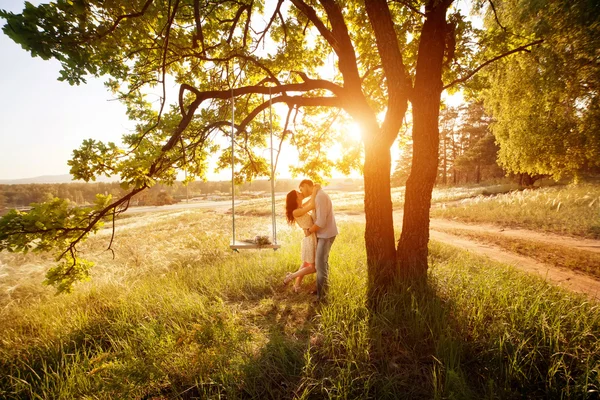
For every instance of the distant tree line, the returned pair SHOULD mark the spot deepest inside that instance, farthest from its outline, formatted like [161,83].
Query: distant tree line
[467,151]
[16,196]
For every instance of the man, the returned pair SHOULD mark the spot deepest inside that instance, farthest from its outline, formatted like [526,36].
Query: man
[326,231]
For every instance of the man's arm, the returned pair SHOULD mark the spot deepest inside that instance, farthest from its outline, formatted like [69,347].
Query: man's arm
[312,229]
[322,207]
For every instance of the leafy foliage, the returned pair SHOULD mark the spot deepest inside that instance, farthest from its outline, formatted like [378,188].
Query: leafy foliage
[468,150]
[54,225]
[546,103]
[233,61]
[480,151]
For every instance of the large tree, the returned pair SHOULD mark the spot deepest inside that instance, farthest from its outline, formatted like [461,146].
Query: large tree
[546,102]
[387,54]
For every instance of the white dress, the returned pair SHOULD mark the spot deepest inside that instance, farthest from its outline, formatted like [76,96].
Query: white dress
[309,243]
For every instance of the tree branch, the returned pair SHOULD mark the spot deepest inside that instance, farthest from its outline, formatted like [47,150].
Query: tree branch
[199,36]
[410,7]
[275,13]
[247,26]
[163,100]
[470,74]
[283,26]
[122,17]
[235,21]
[496,15]
[97,217]
[392,63]
[348,65]
[235,92]
[311,14]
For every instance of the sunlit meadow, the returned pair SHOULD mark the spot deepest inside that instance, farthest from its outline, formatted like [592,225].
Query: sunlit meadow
[176,314]
[573,209]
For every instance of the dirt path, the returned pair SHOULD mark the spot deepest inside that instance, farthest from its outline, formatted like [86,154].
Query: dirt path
[566,278]
[517,233]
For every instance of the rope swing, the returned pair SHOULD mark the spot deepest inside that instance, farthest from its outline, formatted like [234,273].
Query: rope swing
[260,242]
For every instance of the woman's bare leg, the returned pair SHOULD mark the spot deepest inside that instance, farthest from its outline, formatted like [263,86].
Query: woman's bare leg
[305,269]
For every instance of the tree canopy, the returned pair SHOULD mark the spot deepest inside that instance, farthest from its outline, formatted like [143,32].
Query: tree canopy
[254,54]
[546,102]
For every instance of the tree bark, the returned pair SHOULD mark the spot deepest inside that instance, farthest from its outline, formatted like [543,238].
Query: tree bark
[412,247]
[379,228]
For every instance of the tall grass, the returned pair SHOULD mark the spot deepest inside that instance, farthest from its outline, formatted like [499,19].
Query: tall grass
[573,209]
[185,318]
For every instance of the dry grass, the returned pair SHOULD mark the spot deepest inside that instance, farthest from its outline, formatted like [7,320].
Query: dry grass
[572,210]
[353,202]
[145,244]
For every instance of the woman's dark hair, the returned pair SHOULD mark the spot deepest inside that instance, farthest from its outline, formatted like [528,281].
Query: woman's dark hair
[291,203]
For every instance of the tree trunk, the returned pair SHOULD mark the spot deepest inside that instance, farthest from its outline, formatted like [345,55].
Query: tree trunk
[412,246]
[379,228]
[527,180]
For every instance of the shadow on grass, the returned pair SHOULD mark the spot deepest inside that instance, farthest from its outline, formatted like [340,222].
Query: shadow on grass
[273,344]
[415,349]
[274,368]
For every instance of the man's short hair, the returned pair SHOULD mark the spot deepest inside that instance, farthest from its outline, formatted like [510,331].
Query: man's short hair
[306,182]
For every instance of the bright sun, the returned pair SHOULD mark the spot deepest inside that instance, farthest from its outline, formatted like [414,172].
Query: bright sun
[353,132]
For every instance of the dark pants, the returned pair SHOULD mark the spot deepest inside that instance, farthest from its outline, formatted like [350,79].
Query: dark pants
[322,265]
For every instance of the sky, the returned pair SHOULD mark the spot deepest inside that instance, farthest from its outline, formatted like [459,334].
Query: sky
[42,119]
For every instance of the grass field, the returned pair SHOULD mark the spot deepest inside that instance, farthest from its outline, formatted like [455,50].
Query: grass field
[177,315]
[572,210]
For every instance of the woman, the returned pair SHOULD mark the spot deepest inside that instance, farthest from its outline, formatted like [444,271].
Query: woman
[297,213]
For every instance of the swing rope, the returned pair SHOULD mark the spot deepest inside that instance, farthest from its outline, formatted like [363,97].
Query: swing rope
[272,169]
[235,246]
[232,164]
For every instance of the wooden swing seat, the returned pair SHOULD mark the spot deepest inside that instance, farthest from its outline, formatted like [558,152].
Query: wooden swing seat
[241,245]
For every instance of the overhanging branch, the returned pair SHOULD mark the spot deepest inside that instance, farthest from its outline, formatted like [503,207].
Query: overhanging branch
[311,14]
[496,15]
[227,94]
[410,7]
[122,17]
[488,62]
[392,63]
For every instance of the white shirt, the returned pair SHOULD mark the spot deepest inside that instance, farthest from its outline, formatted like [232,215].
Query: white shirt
[325,217]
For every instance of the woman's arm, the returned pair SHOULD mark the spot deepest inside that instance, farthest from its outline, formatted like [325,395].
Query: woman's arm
[309,205]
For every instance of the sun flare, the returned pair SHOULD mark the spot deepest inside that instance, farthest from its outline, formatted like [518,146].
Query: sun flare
[350,135]
[353,132]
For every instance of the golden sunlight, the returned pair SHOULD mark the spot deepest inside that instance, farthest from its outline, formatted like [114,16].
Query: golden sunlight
[453,100]
[334,153]
[350,132]
[353,132]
